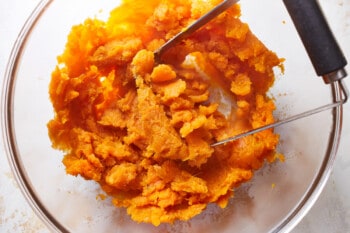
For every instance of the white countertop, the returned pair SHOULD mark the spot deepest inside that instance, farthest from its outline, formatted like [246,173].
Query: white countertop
[330,213]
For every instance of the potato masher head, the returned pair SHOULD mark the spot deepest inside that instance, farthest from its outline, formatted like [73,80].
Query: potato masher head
[319,42]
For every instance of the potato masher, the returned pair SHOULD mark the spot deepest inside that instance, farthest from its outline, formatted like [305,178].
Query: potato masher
[319,42]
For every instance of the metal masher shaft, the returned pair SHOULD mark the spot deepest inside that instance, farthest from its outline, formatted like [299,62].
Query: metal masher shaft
[217,10]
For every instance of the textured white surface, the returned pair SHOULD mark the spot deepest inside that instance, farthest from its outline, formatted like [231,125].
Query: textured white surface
[330,213]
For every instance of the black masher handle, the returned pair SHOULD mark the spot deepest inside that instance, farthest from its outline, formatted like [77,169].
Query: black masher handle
[316,35]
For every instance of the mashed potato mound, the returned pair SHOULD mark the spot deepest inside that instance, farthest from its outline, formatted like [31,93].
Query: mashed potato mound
[143,130]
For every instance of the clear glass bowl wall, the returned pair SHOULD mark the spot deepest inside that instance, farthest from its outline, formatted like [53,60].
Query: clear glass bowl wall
[276,199]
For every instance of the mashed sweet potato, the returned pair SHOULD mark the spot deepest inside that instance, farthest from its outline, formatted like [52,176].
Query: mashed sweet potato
[144,130]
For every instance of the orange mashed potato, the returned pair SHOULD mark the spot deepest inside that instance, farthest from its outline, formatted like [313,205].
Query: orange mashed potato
[144,130]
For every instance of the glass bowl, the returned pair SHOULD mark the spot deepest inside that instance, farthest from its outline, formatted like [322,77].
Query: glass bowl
[275,200]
